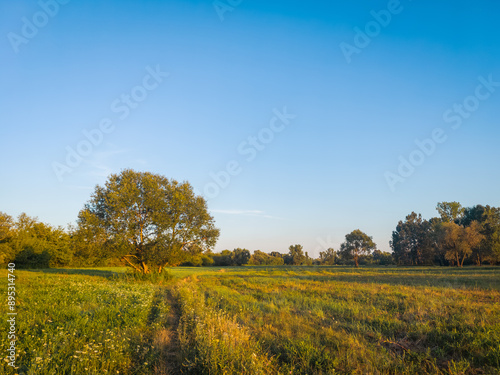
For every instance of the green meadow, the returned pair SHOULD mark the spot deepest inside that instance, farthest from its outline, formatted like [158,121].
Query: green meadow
[257,320]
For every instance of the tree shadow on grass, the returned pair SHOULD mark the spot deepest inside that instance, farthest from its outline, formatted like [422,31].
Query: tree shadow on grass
[77,271]
[441,280]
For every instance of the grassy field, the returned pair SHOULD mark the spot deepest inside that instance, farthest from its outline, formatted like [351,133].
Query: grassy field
[258,320]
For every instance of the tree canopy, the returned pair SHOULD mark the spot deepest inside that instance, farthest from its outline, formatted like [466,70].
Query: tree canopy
[412,241]
[450,211]
[149,220]
[33,244]
[458,236]
[295,255]
[356,244]
[328,256]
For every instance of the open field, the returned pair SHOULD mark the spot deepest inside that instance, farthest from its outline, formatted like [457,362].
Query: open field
[259,320]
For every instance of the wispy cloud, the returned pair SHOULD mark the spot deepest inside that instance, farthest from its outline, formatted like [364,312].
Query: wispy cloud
[99,164]
[245,213]
[238,212]
[79,187]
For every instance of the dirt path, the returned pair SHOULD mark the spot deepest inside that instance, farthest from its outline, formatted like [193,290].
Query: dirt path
[162,342]
[166,339]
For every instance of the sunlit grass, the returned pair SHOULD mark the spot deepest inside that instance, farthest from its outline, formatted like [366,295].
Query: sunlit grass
[258,320]
[213,342]
[78,324]
[368,320]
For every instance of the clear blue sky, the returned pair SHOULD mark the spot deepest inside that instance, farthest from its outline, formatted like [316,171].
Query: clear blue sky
[359,101]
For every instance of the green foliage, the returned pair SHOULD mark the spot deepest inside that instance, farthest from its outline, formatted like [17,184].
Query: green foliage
[260,258]
[30,259]
[328,257]
[412,241]
[207,260]
[415,241]
[77,324]
[450,211]
[33,244]
[295,256]
[227,258]
[90,246]
[212,342]
[6,227]
[240,257]
[489,221]
[461,236]
[459,241]
[222,259]
[382,258]
[150,221]
[154,277]
[6,234]
[357,244]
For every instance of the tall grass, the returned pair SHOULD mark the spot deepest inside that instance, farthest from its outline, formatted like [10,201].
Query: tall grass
[258,320]
[77,324]
[153,277]
[214,343]
[373,321]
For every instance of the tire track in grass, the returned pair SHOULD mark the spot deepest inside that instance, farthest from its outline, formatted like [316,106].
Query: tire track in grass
[167,339]
[163,356]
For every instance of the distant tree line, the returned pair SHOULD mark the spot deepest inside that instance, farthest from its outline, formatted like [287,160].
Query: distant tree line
[140,219]
[148,222]
[295,257]
[460,235]
[34,244]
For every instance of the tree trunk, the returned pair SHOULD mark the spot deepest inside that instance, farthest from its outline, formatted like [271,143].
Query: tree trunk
[132,264]
[356,260]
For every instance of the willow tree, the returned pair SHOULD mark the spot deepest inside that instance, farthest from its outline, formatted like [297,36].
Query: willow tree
[148,220]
